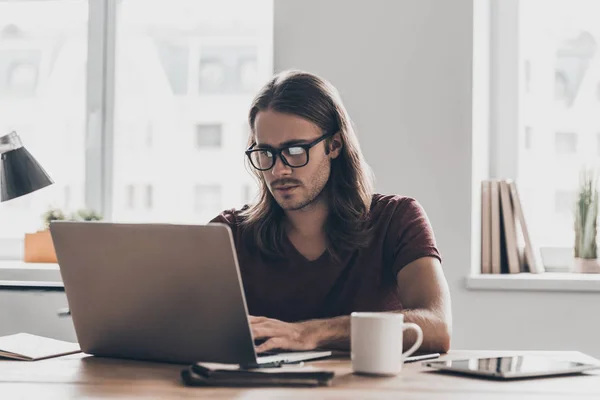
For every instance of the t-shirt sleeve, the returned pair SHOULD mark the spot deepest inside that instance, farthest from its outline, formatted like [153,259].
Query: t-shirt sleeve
[414,237]
[227,217]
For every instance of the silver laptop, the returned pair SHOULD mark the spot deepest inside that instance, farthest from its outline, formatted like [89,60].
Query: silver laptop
[158,292]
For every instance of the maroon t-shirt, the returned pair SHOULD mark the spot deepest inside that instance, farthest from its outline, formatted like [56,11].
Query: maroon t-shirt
[293,288]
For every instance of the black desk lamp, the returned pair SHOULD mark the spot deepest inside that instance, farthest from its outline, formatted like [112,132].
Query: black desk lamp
[20,172]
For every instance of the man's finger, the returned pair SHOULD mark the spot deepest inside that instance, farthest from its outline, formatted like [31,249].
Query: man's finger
[271,344]
[260,320]
[252,318]
[262,331]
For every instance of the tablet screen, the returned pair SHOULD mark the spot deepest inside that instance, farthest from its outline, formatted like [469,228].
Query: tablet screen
[512,366]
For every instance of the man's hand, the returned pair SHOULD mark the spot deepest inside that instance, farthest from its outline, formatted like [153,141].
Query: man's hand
[284,335]
[423,291]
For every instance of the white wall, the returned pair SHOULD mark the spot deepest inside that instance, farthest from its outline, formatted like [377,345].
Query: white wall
[403,68]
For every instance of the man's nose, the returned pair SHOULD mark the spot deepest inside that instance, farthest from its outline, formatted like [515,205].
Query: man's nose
[280,169]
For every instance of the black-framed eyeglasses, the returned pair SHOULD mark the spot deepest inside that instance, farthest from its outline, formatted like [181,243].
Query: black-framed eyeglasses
[294,156]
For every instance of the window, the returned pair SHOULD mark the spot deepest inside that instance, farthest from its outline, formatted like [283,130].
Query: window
[228,69]
[121,143]
[22,77]
[561,88]
[213,75]
[545,76]
[174,59]
[528,137]
[208,135]
[19,67]
[572,61]
[130,197]
[565,142]
[178,96]
[248,73]
[149,196]
[207,199]
[44,44]
[10,31]
[67,202]
[527,66]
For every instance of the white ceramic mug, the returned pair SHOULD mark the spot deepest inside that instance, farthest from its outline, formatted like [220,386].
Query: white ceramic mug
[376,342]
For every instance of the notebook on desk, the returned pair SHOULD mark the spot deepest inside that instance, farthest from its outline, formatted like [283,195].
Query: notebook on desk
[28,347]
[207,374]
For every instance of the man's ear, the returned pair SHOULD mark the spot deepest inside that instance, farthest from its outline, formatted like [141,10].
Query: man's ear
[335,145]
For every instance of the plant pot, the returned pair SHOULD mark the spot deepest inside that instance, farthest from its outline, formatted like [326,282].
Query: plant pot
[586,265]
[39,248]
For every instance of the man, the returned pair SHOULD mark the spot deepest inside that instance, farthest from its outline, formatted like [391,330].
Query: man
[318,244]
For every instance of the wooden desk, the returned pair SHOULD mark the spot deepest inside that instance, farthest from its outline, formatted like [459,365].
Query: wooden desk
[81,376]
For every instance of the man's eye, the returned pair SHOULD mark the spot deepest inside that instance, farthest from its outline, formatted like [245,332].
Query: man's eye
[295,151]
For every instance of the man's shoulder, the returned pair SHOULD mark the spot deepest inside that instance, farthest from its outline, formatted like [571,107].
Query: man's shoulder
[390,202]
[231,217]
[396,209]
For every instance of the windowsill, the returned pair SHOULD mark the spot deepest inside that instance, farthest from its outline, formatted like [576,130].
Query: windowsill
[546,282]
[19,274]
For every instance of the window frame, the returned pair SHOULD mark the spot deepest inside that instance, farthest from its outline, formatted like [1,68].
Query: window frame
[99,116]
[100,106]
[507,79]
[505,84]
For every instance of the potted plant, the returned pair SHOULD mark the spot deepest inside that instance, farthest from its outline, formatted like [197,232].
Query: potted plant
[39,247]
[53,214]
[86,215]
[586,217]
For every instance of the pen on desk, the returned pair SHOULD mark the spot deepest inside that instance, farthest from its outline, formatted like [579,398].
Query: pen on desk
[422,357]
[294,363]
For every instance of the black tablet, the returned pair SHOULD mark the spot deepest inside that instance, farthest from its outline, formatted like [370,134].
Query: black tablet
[512,367]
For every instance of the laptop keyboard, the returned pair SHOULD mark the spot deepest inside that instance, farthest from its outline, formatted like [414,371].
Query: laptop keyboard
[268,353]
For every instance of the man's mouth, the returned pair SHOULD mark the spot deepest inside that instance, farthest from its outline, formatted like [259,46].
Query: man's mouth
[285,189]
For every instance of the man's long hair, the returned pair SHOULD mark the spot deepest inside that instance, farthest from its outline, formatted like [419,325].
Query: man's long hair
[349,189]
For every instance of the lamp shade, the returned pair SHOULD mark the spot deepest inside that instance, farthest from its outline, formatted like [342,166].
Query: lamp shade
[20,173]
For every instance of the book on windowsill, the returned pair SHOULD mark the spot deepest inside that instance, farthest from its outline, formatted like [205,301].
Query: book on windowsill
[28,347]
[506,245]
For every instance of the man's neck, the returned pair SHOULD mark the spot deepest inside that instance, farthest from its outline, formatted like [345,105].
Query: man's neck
[308,222]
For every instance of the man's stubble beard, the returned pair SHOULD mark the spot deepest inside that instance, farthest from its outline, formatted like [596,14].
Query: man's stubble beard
[316,192]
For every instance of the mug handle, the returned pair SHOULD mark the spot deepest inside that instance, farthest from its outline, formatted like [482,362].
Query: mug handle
[415,347]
